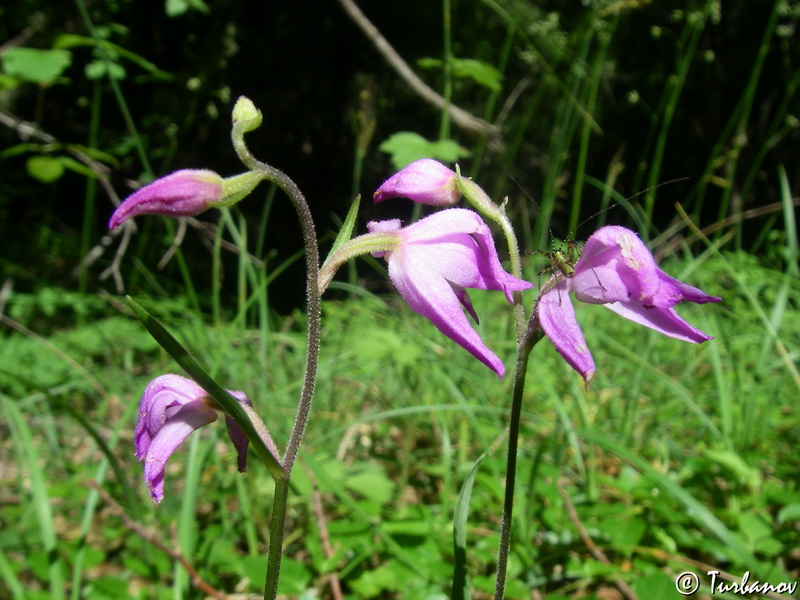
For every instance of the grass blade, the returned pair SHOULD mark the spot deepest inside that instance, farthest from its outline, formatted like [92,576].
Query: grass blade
[460,584]
[28,455]
[346,232]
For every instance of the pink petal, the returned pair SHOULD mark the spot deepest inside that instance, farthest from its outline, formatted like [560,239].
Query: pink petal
[162,394]
[235,433]
[430,295]
[189,418]
[451,226]
[615,266]
[663,320]
[557,318]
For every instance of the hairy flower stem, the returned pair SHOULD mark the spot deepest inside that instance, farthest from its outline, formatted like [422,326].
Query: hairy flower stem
[313,311]
[480,201]
[529,339]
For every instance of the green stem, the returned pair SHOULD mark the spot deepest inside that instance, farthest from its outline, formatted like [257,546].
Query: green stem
[118,95]
[313,295]
[313,310]
[276,539]
[516,271]
[447,68]
[533,335]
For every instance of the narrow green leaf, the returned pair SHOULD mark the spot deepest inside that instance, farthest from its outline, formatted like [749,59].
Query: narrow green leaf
[228,403]
[346,232]
[460,584]
[9,577]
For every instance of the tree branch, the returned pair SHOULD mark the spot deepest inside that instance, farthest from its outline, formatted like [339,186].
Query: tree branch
[459,116]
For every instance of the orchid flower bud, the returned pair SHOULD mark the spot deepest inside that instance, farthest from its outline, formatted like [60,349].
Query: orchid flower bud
[180,194]
[426,181]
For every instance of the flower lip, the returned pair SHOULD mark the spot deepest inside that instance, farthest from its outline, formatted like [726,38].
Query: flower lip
[426,181]
[557,318]
[180,194]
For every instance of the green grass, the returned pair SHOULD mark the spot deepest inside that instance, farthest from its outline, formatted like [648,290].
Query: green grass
[691,447]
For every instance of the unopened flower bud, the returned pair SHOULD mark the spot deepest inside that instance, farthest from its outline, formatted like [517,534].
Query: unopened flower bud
[180,194]
[426,181]
[246,114]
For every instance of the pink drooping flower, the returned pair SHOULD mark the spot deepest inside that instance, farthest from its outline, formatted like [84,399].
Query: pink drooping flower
[171,408]
[425,180]
[180,194]
[617,270]
[435,259]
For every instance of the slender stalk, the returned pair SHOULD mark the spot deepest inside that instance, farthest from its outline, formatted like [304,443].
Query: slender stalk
[447,70]
[313,296]
[516,271]
[313,310]
[118,95]
[91,186]
[276,539]
[533,335]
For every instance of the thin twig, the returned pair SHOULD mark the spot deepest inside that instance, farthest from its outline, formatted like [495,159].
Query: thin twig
[26,130]
[459,116]
[176,243]
[624,588]
[153,539]
[322,526]
[113,269]
[5,294]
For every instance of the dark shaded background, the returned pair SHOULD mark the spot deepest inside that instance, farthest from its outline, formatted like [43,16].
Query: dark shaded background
[305,65]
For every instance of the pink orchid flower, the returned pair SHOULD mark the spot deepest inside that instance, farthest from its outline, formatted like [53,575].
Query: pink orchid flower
[435,259]
[616,270]
[171,408]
